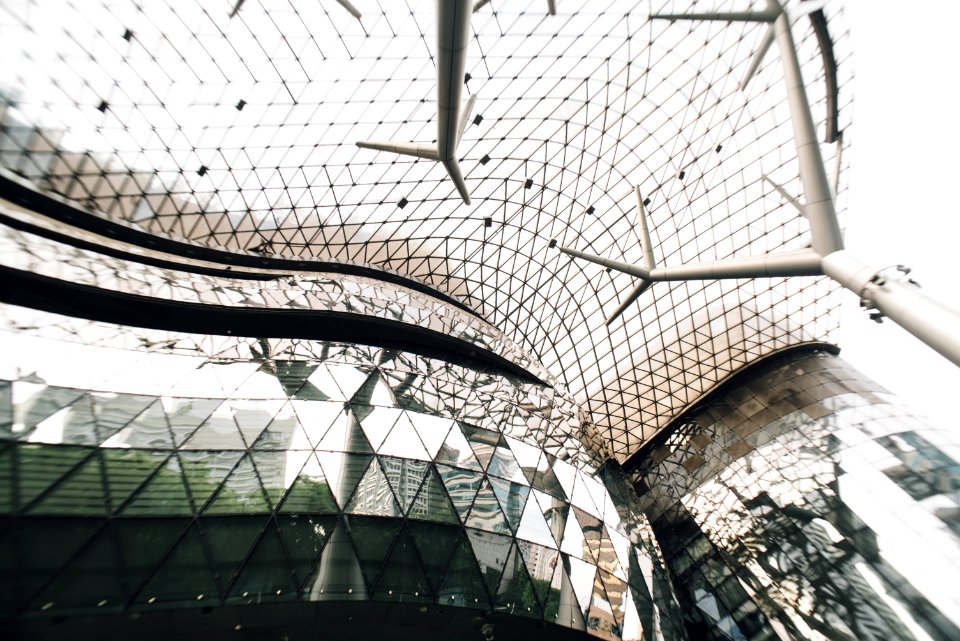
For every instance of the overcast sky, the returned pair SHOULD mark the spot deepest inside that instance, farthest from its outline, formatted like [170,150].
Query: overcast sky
[905,170]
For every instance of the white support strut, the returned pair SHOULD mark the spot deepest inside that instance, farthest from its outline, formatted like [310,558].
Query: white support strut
[453,36]
[901,300]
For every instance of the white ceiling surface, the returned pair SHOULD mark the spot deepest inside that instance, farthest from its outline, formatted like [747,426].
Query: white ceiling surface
[586,104]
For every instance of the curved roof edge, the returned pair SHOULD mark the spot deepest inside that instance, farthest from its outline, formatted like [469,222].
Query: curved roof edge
[95,303]
[735,378]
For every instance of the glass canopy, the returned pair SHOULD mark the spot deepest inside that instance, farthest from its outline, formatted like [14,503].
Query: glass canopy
[239,132]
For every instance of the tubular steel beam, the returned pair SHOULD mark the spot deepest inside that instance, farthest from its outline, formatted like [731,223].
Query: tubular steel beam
[453,36]
[899,299]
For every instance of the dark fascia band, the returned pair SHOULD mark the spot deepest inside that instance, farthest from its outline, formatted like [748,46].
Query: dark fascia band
[738,377]
[20,191]
[819,22]
[84,301]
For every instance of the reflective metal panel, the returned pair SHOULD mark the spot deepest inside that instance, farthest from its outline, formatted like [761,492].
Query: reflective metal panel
[806,502]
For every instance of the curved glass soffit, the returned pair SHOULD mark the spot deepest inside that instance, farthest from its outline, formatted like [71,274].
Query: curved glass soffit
[239,133]
[44,273]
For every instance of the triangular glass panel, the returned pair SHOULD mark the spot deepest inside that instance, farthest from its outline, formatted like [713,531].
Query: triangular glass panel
[374,391]
[259,385]
[337,576]
[183,577]
[358,383]
[593,535]
[544,479]
[74,424]
[252,417]
[218,432]
[373,495]
[283,433]
[462,486]
[164,494]
[566,475]
[204,472]
[402,577]
[435,543]
[80,492]
[516,593]
[305,536]
[142,543]
[512,497]
[432,502]
[92,580]
[317,417]
[598,494]
[582,577]
[185,415]
[633,626]
[574,542]
[562,606]
[126,471]
[527,456]
[40,466]
[491,552]
[457,451]
[343,472]
[541,564]
[621,547]
[581,497]
[377,422]
[533,527]
[554,513]
[483,442]
[504,465]
[265,575]
[113,412]
[149,430]
[228,541]
[34,403]
[309,490]
[324,381]
[486,513]
[241,492]
[403,441]
[345,435]
[610,601]
[232,375]
[372,539]
[463,584]
[433,430]
[292,376]
[405,477]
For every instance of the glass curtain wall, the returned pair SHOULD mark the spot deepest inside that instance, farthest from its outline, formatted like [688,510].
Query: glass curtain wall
[804,502]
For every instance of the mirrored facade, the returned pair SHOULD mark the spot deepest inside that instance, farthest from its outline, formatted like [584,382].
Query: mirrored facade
[183,475]
[807,503]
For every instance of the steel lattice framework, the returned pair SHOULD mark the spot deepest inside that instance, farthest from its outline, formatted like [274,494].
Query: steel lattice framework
[239,133]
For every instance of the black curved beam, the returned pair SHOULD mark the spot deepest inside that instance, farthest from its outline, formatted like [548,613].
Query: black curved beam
[819,22]
[71,299]
[19,191]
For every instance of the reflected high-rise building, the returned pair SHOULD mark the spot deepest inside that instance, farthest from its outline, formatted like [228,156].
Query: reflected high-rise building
[259,382]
